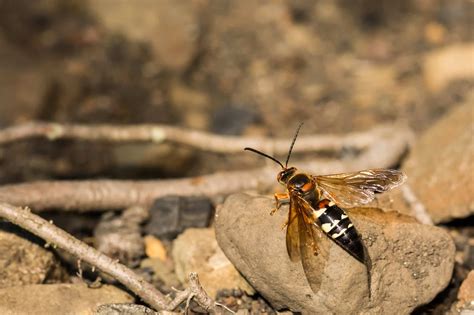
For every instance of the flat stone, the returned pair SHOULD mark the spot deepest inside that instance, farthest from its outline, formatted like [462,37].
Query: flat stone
[58,299]
[196,250]
[411,262]
[124,309]
[440,167]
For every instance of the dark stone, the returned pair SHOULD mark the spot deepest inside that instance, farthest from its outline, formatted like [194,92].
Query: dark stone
[232,120]
[171,215]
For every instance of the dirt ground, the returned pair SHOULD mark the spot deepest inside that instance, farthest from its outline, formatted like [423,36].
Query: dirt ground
[238,67]
[229,67]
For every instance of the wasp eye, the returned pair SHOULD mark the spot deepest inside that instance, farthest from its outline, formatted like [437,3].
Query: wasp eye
[280,177]
[285,175]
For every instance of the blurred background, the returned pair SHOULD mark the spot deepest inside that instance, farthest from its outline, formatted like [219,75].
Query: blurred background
[229,67]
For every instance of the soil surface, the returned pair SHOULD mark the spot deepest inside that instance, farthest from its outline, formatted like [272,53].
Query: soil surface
[238,67]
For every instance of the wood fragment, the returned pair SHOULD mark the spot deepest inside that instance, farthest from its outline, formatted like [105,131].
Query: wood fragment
[197,139]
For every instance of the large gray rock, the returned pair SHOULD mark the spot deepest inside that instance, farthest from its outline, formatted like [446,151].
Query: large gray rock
[411,262]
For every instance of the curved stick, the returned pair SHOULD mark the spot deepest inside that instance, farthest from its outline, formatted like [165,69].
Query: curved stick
[57,237]
[147,292]
[197,139]
[99,195]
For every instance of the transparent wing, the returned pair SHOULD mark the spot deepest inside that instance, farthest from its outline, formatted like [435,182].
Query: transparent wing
[314,247]
[292,235]
[352,189]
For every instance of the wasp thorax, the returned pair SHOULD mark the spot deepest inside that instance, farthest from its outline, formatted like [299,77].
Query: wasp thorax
[300,182]
[285,175]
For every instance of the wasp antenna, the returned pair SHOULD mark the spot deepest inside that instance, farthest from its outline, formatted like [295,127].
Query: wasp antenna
[265,155]
[292,144]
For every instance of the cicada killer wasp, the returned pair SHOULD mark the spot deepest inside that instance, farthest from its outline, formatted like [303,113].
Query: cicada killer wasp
[318,203]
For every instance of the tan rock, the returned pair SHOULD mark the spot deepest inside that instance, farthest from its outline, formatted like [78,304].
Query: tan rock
[466,291]
[411,262]
[440,167]
[196,250]
[58,299]
[24,262]
[154,248]
[442,66]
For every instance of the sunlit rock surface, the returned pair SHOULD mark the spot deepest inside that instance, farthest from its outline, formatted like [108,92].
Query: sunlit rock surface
[411,262]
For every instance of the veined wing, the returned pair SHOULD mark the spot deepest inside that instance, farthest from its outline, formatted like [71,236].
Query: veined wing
[292,235]
[314,246]
[357,188]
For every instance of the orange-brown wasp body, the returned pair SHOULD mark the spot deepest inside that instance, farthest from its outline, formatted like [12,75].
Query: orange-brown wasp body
[314,208]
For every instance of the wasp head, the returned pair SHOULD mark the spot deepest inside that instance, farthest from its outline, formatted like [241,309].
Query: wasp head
[284,175]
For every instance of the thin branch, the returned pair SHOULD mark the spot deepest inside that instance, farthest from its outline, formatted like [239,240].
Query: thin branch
[57,237]
[197,139]
[147,292]
[98,195]
[196,291]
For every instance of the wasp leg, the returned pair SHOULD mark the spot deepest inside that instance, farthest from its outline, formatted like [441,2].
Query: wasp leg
[280,199]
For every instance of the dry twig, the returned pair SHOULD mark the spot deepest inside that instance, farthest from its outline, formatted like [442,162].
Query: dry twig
[197,139]
[98,195]
[148,293]
[195,290]
[111,194]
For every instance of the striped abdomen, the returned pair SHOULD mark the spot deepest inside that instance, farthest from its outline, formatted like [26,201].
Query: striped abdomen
[337,225]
